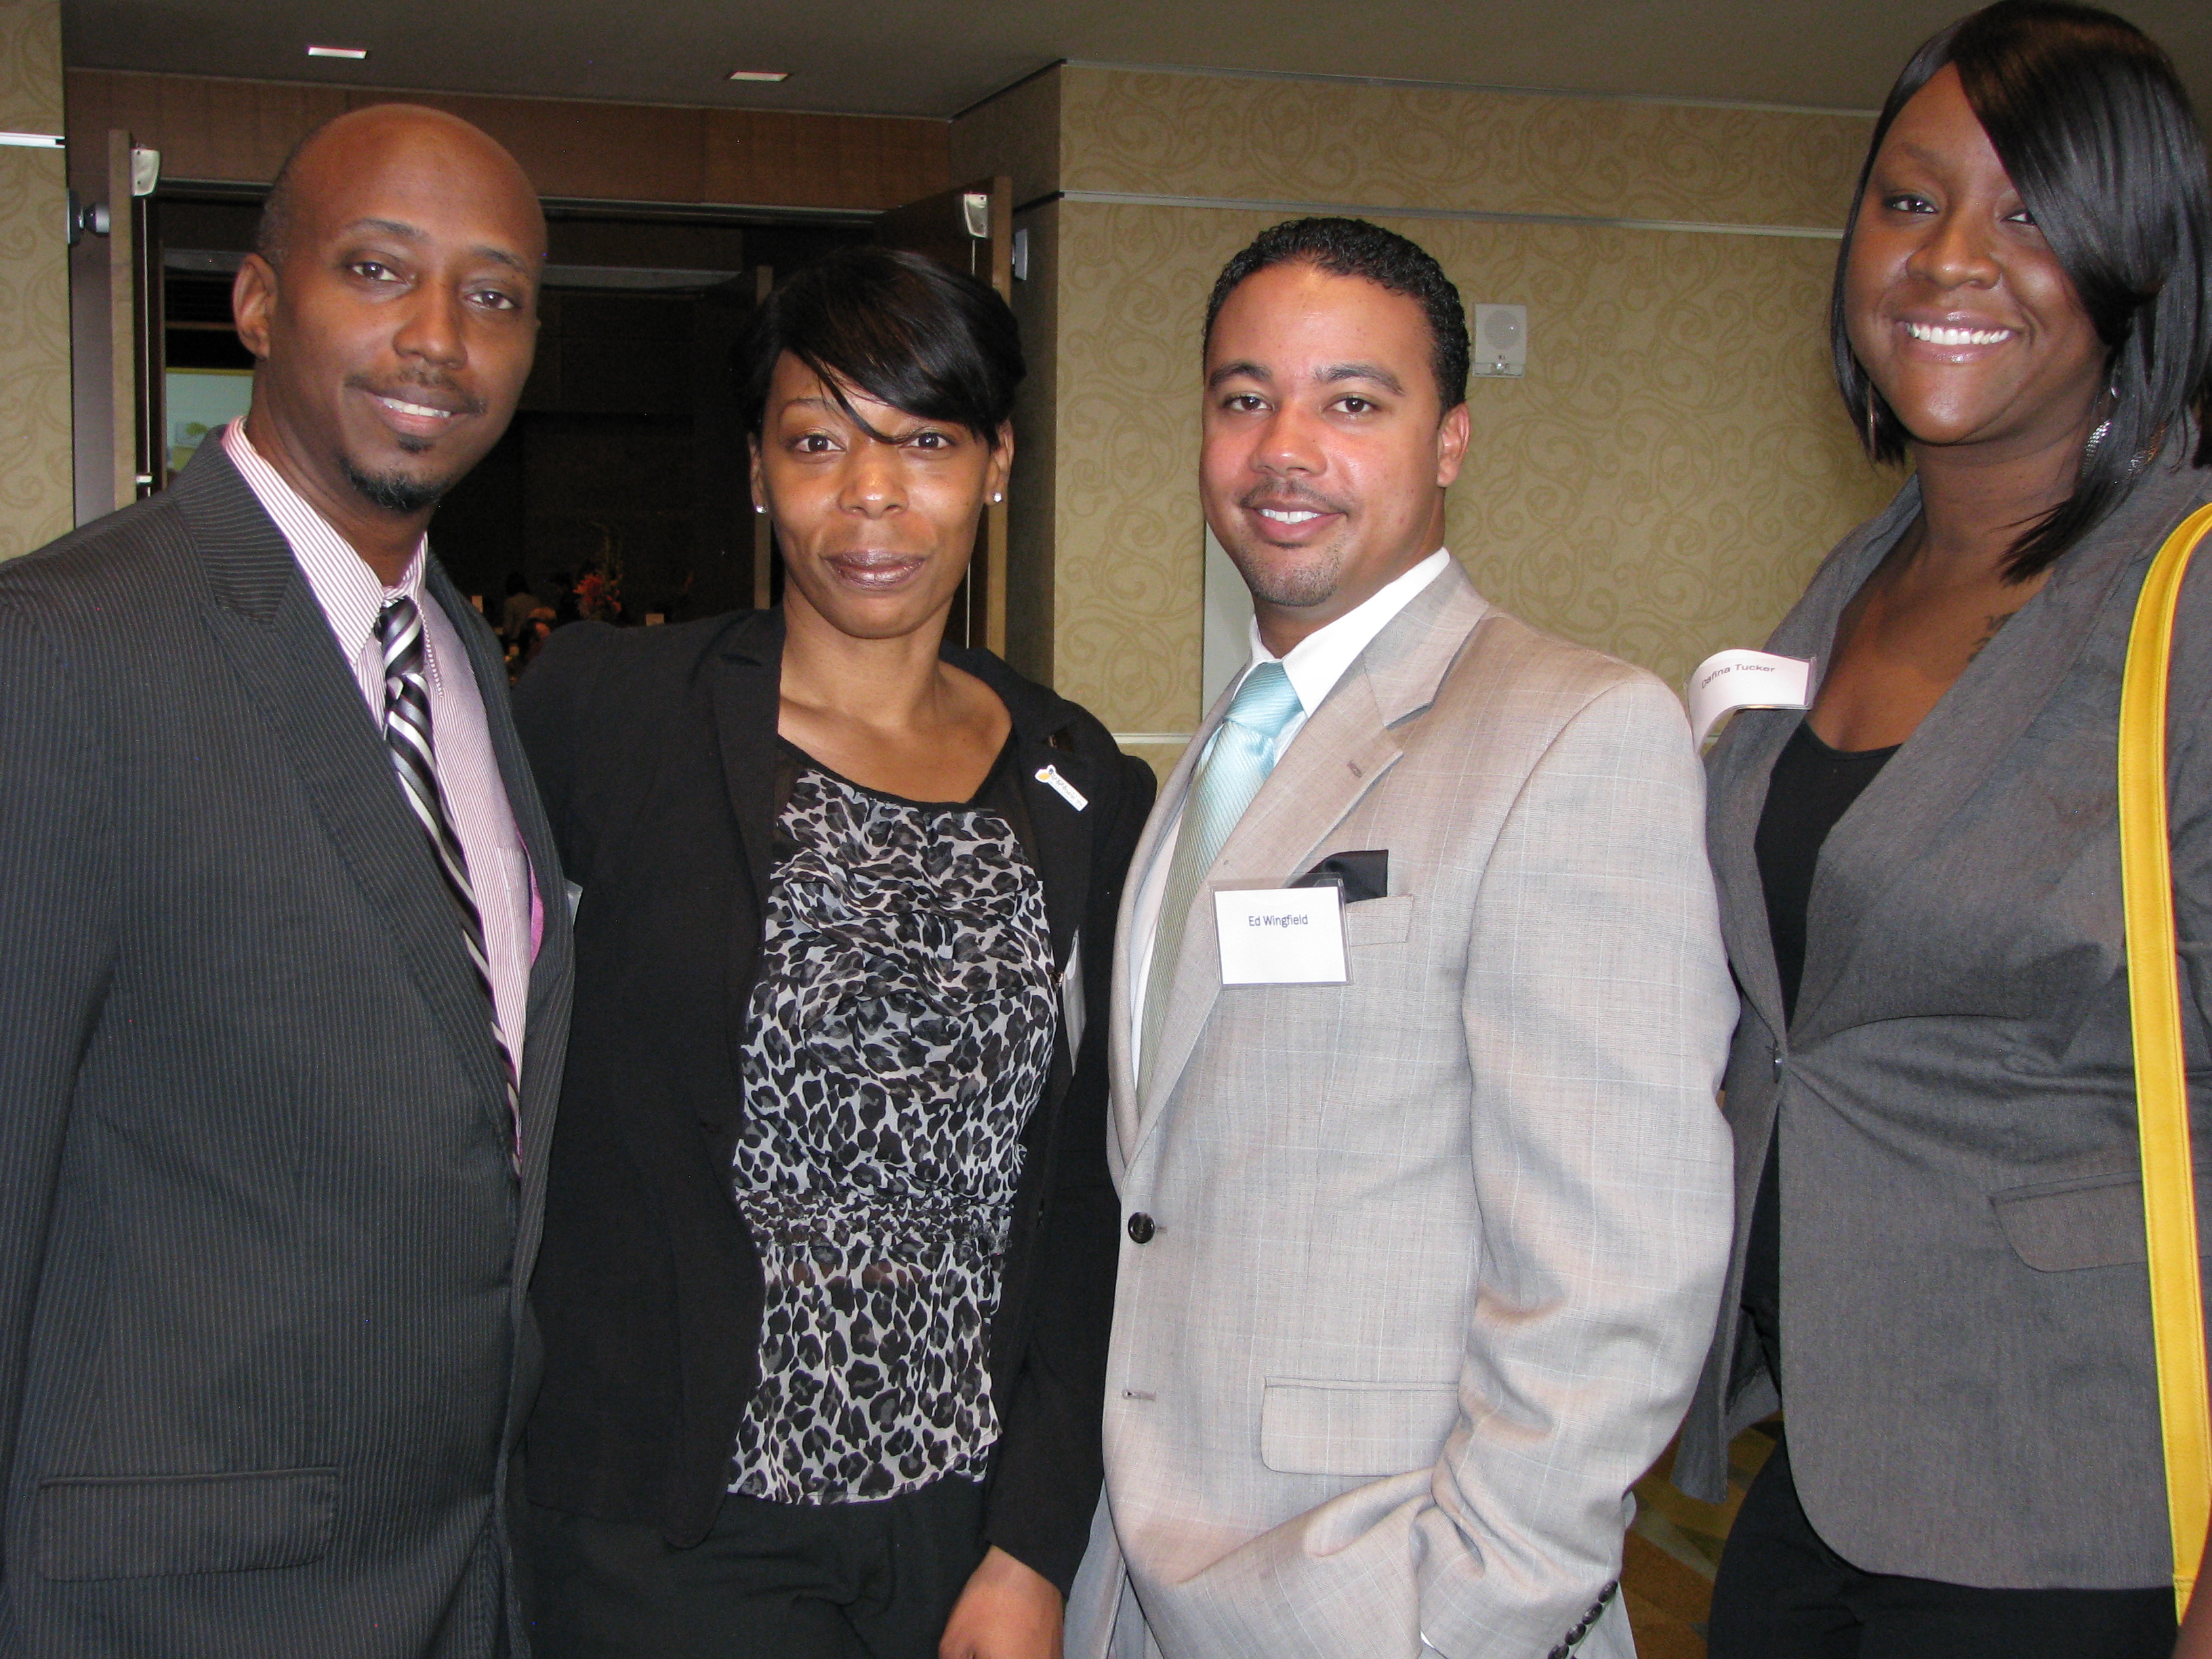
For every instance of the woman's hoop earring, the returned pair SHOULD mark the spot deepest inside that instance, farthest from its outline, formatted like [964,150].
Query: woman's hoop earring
[2103,428]
[1871,449]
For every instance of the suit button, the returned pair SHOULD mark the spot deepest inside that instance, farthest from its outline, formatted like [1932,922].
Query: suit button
[1141,1228]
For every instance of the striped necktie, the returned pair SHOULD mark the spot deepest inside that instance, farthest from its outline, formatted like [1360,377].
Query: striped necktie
[1236,764]
[407,737]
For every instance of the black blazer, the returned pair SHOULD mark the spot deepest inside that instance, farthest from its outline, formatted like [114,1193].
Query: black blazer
[263,1342]
[657,752]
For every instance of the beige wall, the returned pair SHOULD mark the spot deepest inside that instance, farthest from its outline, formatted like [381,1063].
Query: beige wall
[1659,484]
[34,383]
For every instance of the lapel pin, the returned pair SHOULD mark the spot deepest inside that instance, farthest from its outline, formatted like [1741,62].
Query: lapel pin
[1049,775]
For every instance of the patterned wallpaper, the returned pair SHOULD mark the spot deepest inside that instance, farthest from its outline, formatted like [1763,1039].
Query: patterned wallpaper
[34,384]
[1659,484]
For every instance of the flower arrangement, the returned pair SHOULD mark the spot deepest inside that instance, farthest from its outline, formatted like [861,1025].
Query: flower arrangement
[598,595]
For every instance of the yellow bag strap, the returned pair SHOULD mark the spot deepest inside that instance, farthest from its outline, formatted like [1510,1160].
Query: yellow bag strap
[2177,1308]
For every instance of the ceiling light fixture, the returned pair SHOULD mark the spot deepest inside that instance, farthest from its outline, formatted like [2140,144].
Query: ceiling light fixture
[353,53]
[760,75]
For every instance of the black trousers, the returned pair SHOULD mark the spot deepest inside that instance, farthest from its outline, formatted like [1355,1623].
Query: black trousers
[772,1581]
[1784,1593]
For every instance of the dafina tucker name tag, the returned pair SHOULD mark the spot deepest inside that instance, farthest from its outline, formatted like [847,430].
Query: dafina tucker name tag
[1730,680]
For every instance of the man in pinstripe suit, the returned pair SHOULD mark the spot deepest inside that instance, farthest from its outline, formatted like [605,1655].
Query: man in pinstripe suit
[284,1005]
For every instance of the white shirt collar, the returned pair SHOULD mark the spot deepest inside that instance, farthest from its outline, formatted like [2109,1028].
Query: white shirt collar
[1317,662]
[347,590]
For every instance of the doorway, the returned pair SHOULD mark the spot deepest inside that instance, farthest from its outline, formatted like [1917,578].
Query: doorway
[624,471]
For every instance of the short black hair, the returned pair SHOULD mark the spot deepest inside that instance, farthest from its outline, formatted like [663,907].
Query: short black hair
[1353,247]
[272,231]
[900,328]
[2095,130]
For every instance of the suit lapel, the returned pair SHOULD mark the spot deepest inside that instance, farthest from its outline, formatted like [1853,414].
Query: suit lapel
[745,693]
[544,1020]
[1062,837]
[273,634]
[1342,751]
[1905,811]
[1742,762]
[1121,1016]
[1061,832]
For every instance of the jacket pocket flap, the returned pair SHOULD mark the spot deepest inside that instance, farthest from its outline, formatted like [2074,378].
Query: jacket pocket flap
[2094,1221]
[1319,1427]
[143,1526]
[1379,920]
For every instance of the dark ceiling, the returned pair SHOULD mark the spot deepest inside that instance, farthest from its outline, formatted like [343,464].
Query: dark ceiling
[936,56]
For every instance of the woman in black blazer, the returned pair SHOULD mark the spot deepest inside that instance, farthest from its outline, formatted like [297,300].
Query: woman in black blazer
[829,1255]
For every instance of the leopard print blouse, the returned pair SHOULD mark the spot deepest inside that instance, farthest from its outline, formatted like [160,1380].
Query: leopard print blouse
[899,1035]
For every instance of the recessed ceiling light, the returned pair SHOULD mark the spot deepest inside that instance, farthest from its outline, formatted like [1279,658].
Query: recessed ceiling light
[760,75]
[356,53]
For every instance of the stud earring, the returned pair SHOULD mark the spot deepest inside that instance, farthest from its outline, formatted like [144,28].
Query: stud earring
[759,507]
[997,497]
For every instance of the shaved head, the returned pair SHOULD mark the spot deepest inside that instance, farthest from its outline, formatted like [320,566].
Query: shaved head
[391,302]
[273,234]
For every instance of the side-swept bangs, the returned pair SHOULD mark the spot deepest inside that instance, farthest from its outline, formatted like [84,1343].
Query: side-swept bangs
[2094,128]
[893,326]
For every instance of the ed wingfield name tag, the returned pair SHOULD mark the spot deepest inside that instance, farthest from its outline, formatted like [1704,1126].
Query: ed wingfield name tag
[1281,935]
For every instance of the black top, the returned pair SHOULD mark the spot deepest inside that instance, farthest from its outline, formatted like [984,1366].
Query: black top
[899,1038]
[656,753]
[1812,787]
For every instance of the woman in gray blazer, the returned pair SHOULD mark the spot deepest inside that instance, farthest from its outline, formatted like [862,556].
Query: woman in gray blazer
[1939,1261]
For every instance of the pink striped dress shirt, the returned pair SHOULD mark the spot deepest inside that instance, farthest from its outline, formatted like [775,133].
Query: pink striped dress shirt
[351,599]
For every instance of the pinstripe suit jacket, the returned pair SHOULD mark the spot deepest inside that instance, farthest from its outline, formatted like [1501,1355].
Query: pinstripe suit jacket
[264,1345]
[1432,1251]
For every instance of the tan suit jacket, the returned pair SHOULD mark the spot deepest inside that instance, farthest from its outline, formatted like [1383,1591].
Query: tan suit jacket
[1432,1255]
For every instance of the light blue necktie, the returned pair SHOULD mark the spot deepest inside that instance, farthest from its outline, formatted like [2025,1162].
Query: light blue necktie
[1242,753]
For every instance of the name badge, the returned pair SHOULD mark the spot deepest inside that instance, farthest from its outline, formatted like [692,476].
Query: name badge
[1730,680]
[1281,936]
[1049,776]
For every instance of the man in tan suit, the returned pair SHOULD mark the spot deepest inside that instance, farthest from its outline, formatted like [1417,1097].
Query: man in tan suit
[1425,1196]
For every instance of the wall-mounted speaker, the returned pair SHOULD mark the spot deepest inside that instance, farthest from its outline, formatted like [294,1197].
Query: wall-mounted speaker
[1500,341]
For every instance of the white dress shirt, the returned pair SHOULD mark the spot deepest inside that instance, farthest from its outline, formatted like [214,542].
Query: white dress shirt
[351,599]
[1314,665]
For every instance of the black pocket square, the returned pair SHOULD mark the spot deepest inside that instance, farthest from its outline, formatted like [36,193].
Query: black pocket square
[1364,875]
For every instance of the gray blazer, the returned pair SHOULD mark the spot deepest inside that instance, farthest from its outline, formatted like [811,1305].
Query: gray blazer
[1965,1317]
[264,1345]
